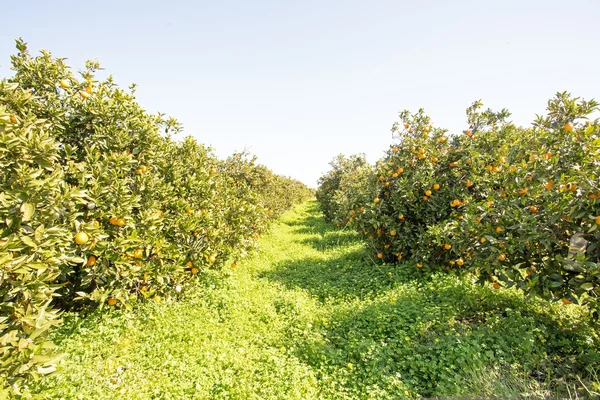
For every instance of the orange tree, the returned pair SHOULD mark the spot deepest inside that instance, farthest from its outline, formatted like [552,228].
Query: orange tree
[101,206]
[517,207]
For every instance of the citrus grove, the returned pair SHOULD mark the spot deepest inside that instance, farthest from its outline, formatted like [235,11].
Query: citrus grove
[101,207]
[513,206]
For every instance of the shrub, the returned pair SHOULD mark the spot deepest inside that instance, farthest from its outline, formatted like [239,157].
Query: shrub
[515,206]
[100,206]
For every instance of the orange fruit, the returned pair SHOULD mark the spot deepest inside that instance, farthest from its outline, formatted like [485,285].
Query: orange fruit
[468,183]
[419,265]
[189,264]
[399,256]
[568,127]
[65,83]
[379,255]
[460,261]
[497,169]
[233,265]
[442,140]
[144,169]
[523,191]
[565,300]
[425,198]
[468,133]
[387,245]
[428,192]
[212,258]
[502,257]
[434,159]
[447,246]
[377,200]
[91,261]
[547,155]
[489,167]
[188,211]
[194,271]
[393,233]
[112,301]
[400,170]
[597,220]
[496,286]
[549,185]
[83,94]
[533,209]
[82,238]
[88,89]
[401,216]
[436,186]
[501,245]
[138,253]
[13,119]
[454,164]
[499,229]
[482,240]
[113,220]
[405,125]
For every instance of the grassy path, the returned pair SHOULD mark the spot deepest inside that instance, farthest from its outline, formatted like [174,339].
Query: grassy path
[312,316]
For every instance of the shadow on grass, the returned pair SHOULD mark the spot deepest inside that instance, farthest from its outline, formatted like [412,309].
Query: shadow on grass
[451,341]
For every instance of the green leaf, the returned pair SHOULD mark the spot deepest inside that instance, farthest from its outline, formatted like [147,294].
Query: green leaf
[27,209]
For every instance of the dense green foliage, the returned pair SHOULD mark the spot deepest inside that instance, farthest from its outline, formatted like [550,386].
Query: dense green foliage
[99,205]
[513,206]
[311,317]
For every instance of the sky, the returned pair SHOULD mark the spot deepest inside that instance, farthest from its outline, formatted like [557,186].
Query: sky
[298,82]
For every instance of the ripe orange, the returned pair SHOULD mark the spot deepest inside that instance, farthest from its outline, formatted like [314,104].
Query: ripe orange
[419,265]
[436,186]
[188,211]
[434,159]
[501,245]
[212,258]
[138,253]
[194,271]
[428,192]
[425,198]
[393,232]
[497,169]
[566,301]
[65,83]
[496,286]
[468,133]
[112,301]
[400,170]
[468,183]
[83,94]
[379,255]
[523,191]
[401,216]
[502,257]
[499,229]
[395,175]
[442,140]
[597,220]
[13,119]
[88,89]
[394,149]
[377,200]
[82,238]
[144,169]
[399,256]
[547,155]
[549,185]
[405,125]
[91,261]
[189,264]
[533,209]
[454,164]
[482,240]
[568,127]
[460,261]
[233,265]
[387,245]
[113,220]
[447,246]
[489,167]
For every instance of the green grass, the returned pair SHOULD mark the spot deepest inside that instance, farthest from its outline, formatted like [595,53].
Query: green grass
[313,316]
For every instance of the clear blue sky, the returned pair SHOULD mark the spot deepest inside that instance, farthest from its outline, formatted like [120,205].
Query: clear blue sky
[297,82]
